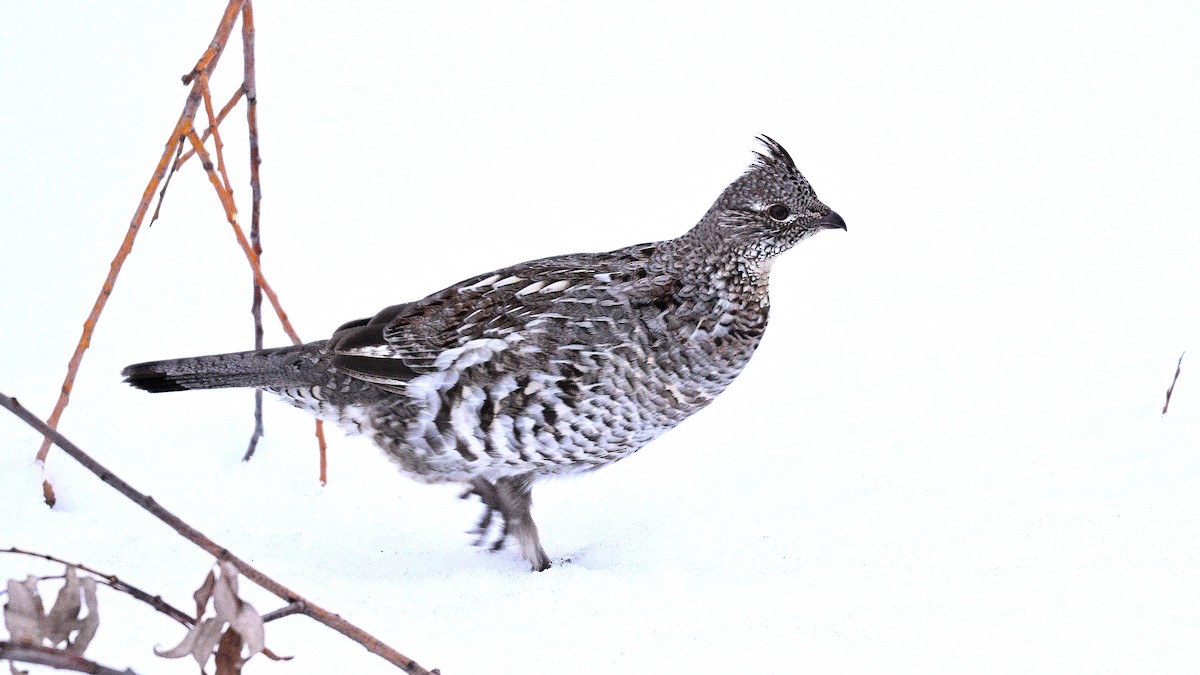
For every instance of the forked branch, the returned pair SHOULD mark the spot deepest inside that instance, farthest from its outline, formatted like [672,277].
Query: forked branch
[198,78]
[207,62]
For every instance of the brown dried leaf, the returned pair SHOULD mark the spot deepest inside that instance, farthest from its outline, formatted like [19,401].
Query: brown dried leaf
[206,642]
[249,625]
[245,625]
[24,616]
[203,593]
[88,624]
[229,654]
[241,615]
[225,599]
[198,642]
[62,619]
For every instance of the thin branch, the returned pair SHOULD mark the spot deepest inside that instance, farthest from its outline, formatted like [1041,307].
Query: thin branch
[216,135]
[257,433]
[116,584]
[237,96]
[55,658]
[320,434]
[1171,389]
[250,86]
[371,643]
[162,194]
[287,610]
[209,60]
[155,601]
[231,216]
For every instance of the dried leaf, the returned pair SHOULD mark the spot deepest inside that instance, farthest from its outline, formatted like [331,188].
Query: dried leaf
[61,619]
[245,625]
[203,593]
[225,599]
[249,625]
[186,646]
[88,624]
[23,614]
[207,641]
[198,642]
[241,615]
[229,654]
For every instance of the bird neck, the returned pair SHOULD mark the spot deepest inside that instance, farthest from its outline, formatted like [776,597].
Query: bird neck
[702,268]
[717,294]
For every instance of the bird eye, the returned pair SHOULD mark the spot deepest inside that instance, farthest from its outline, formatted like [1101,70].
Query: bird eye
[779,212]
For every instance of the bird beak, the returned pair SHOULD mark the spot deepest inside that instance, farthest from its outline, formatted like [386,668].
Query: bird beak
[831,221]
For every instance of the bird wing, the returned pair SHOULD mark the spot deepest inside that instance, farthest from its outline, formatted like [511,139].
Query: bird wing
[406,341]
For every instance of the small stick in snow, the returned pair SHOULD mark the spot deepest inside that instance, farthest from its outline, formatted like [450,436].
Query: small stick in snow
[1170,389]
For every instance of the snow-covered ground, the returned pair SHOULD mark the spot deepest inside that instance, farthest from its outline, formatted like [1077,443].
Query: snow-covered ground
[947,456]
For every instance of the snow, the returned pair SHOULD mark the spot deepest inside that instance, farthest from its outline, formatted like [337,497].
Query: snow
[947,456]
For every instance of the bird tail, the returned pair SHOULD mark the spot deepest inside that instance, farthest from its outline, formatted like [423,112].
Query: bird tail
[274,368]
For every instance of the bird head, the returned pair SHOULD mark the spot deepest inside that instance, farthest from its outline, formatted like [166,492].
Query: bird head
[767,210]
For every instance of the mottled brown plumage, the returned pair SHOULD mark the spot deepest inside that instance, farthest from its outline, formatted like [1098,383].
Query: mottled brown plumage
[553,366]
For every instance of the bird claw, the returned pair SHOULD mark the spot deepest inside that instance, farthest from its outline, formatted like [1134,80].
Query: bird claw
[508,497]
[491,511]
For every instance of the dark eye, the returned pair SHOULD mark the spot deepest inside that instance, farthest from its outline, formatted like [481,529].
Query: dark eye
[779,212]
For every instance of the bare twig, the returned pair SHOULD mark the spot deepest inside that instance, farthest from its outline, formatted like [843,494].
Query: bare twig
[162,194]
[209,61]
[198,78]
[237,96]
[371,643]
[250,86]
[113,582]
[55,658]
[155,601]
[231,216]
[216,134]
[287,610]
[1171,389]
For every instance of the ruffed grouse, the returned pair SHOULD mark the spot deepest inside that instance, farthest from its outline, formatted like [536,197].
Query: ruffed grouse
[552,366]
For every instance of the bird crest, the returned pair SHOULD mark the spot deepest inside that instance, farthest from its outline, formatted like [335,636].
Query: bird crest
[778,157]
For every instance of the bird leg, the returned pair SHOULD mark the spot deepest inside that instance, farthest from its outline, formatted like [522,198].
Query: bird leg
[512,498]
[492,505]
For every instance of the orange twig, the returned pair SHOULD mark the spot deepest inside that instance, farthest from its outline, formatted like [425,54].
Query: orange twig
[162,194]
[233,100]
[209,59]
[231,215]
[184,127]
[89,325]
[216,134]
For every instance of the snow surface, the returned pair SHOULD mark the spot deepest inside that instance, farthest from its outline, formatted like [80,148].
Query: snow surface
[948,455]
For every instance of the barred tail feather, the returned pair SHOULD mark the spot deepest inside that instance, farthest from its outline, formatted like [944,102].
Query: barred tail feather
[265,368]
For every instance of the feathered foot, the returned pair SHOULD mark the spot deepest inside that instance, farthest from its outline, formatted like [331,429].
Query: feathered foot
[510,498]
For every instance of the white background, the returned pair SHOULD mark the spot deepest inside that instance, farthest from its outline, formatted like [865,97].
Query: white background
[947,456]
